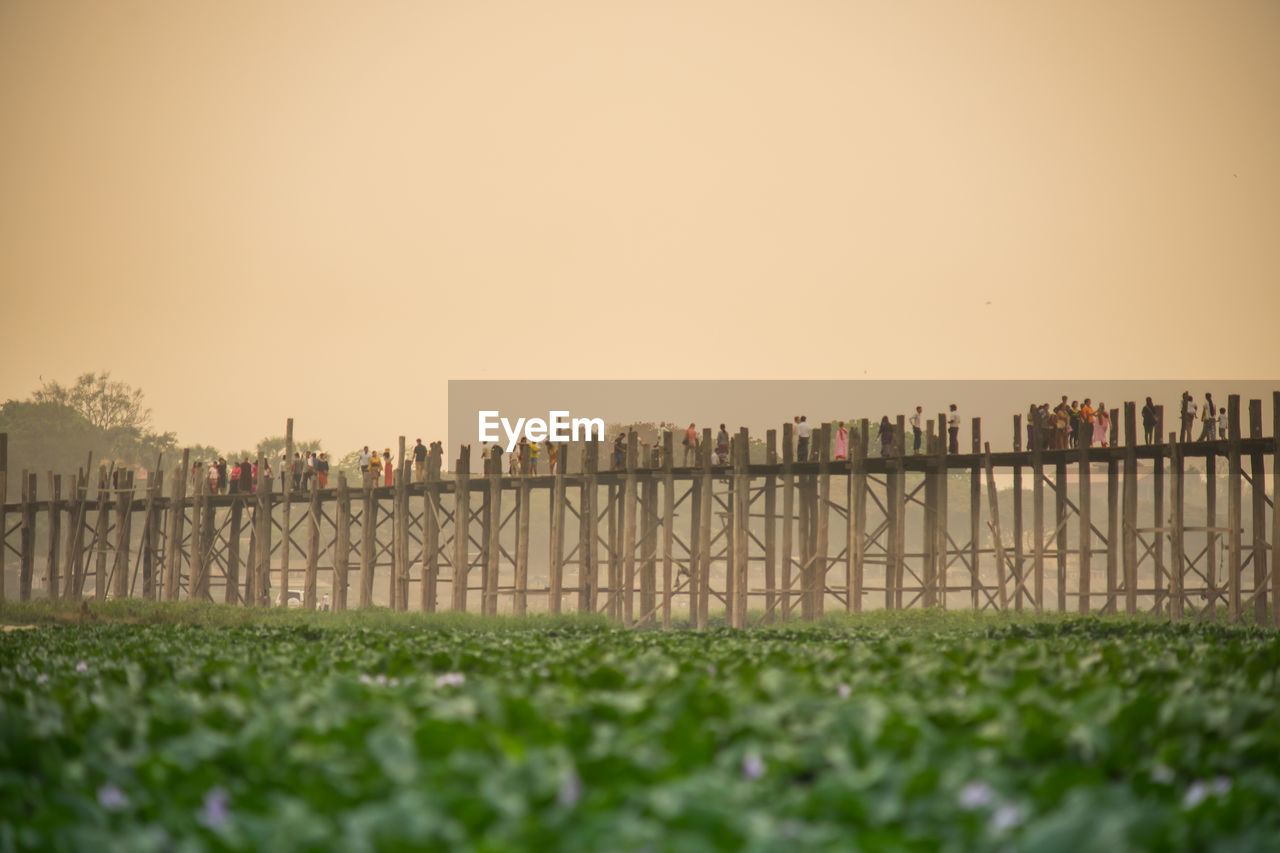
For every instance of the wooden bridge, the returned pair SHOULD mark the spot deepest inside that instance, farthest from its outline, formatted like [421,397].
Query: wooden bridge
[653,544]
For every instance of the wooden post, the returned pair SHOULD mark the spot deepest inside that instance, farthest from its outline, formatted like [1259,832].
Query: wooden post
[75,540]
[929,543]
[588,534]
[822,511]
[1158,517]
[369,541]
[788,516]
[400,546]
[493,540]
[1085,512]
[556,579]
[771,527]
[704,530]
[1130,510]
[124,530]
[1060,539]
[309,582]
[286,538]
[4,524]
[648,549]
[342,544]
[613,605]
[1176,547]
[1113,529]
[461,528]
[27,536]
[900,537]
[629,529]
[431,532]
[1211,538]
[198,568]
[858,515]
[668,523]
[151,537]
[51,575]
[1233,507]
[1257,490]
[231,594]
[975,513]
[177,518]
[997,537]
[262,571]
[1018,565]
[524,513]
[1275,509]
[1037,514]
[695,538]
[739,521]
[100,535]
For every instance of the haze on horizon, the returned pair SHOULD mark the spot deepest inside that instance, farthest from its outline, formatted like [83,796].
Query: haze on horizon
[326,210]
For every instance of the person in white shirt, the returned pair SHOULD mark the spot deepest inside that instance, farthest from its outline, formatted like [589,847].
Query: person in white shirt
[953,430]
[802,439]
[1223,425]
[915,426]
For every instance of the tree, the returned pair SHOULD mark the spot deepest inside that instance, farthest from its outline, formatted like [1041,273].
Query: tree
[105,404]
[47,437]
[273,446]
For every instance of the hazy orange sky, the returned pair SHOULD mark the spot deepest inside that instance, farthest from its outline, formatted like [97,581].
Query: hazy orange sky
[329,209]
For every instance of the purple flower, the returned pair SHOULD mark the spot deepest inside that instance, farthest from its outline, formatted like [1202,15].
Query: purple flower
[111,798]
[214,813]
[1005,818]
[570,789]
[42,679]
[451,679]
[975,795]
[752,767]
[82,667]
[843,691]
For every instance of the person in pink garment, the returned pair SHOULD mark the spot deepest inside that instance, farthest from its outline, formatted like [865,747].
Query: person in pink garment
[1101,425]
[842,442]
[386,466]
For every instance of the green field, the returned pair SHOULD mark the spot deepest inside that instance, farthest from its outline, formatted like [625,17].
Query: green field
[184,729]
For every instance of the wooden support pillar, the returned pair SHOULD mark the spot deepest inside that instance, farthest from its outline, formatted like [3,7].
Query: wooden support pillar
[668,523]
[900,538]
[704,530]
[1234,508]
[997,537]
[893,509]
[1018,533]
[648,549]
[287,488]
[342,544]
[52,584]
[1158,518]
[198,567]
[1177,564]
[613,603]
[771,528]
[151,560]
[822,511]
[231,593]
[929,539]
[100,535]
[262,518]
[1275,509]
[461,528]
[556,543]
[975,513]
[400,529]
[75,538]
[788,516]
[588,534]
[4,523]
[124,531]
[857,515]
[1130,510]
[1037,515]
[1084,508]
[430,532]
[1211,538]
[629,530]
[368,541]
[493,530]
[741,526]
[1113,531]
[177,519]
[309,582]
[1258,493]
[27,535]
[1060,539]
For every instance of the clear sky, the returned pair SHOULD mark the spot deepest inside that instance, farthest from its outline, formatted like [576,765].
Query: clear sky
[326,210]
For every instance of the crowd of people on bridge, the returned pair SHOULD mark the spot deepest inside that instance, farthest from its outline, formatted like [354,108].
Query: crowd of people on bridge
[1066,425]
